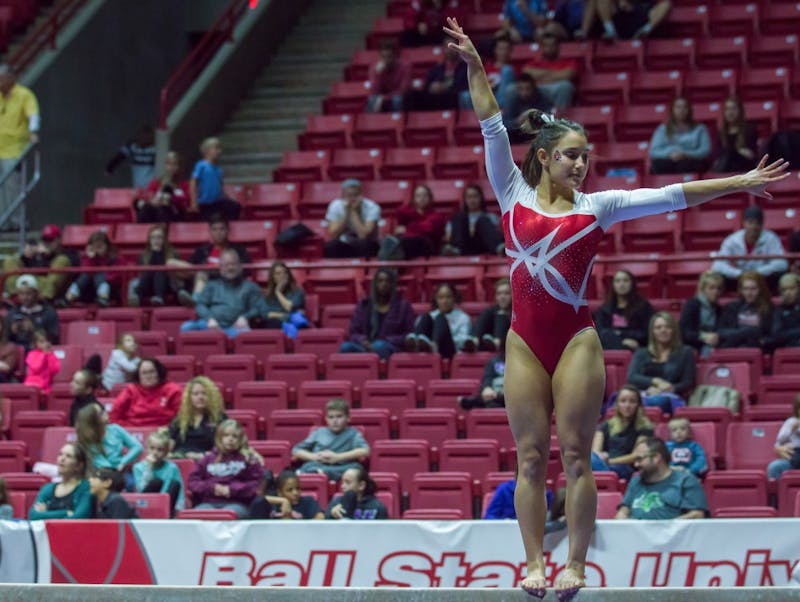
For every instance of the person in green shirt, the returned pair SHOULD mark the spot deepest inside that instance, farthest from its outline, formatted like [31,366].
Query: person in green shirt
[109,445]
[71,498]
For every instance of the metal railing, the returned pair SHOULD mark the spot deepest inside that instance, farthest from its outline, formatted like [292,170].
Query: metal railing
[22,176]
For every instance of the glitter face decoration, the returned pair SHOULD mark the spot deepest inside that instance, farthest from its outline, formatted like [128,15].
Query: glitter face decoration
[557,155]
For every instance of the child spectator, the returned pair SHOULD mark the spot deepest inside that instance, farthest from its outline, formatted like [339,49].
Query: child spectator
[473,230]
[358,501]
[332,449]
[681,145]
[228,477]
[206,187]
[491,327]
[71,497]
[284,297]
[6,511]
[140,152]
[156,474]
[616,438]
[685,453]
[9,356]
[445,328]
[150,400]
[105,485]
[287,503]
[787,444]
[194,429]
[82,386]
[491,393]
[108,445]
[123,362]
[165,199]
[623,318]
[41,363]
[700,315]
[97,286]
[155,286]
[736,139]
[747,320]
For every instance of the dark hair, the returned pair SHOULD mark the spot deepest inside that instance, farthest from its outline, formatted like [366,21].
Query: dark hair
[453,289]
[161,369]
[671,120]
[635,299]
[109,474]
[740,123]
[270,288]
[546,132]
[81,456]
[169,252]
[390,274]
[284,476]
[526,78]
[102,236]
[388,45]
[218,218]
[477,188]
[764,300]
[658,447]
[362,476]
[3,491]
[427,188]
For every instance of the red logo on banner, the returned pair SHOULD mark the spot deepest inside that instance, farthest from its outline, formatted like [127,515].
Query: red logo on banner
[97,552]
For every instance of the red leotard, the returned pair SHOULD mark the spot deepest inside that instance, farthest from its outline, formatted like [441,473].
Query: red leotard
[551,255]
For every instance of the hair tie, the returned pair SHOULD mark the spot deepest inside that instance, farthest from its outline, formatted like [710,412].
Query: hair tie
[547,118]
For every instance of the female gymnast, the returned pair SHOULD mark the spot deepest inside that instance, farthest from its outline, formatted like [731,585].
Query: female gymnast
[553,356]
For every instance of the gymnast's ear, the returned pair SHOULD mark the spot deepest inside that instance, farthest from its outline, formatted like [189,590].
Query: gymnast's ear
[542,156]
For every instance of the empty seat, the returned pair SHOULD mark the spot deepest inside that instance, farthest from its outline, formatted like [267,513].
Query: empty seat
[292,425]
[745,512]
[260,343]
[359,163]
[149,505]
[388,482]
[406,457]
[704,230]
[623,55]
[17,501]
[201,343]
[721,53]
[604,89]
[433,425]
[672,54]
[314,394]
[261,396]
[490,423]
[733,19]
[773,51]
[653,234]
[750,445]
[53,439]
[788,491]
[26,483]
[780,389]
[621,155]
[599,121]
[735,488]
[394,395]
[206,514]
[419,367]
[475,456]
[780,18]
[169,319]
[230,369]
[459,162]
[637,123]
[377,130]
[752,356]
[709,85]
[607,504]
[71,359]
[88,334]
[353,367]
[469,365]
[408,163]
[429,128]
[315,485]
[374,423]
[151,342]
[466,278]
[30,426]
[332,286]
[303,166]
[445,393]
[434,513]
[317,196]
[346,97]
[110,206]
[292,368]
[12,456]
[786,361]
[735,375]
[277,454]
[441,490]
[180,368]
[272,201]
[388,194]
[326,132]
[22,398]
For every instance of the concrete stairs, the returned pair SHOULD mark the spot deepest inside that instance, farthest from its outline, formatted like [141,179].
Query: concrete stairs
[293,85]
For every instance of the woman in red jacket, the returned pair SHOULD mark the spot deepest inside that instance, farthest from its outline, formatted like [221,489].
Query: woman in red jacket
[420,228]
[150,400]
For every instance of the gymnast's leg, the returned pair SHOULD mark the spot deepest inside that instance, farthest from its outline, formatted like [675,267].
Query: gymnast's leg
[578,384]
[529,405]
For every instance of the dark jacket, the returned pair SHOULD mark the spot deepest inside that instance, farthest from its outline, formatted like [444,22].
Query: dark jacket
[690,322]
[78,403]
[398,322]
[437,74]
[679,369]
[367,508]
[731,334]
[636,328]
[41,317]
[785,327]
[243,476]
[115,506]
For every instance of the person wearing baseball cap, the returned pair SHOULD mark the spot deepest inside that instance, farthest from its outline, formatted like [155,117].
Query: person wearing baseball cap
[30,314]
[752,240]
[352,223]
[44,252]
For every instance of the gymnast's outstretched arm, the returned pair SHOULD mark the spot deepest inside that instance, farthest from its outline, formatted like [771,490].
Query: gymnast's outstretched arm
[483,100]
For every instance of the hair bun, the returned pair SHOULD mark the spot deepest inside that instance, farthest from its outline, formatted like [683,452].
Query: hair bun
[533,120]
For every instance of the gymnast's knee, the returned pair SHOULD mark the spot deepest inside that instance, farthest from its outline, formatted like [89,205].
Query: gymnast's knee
[576,462]
[532,466]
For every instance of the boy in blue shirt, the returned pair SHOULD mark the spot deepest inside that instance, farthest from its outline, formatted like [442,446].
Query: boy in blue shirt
[684,452]
[206,186]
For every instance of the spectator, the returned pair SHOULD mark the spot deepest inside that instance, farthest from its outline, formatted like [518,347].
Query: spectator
[6,510]
[523,20]
[443,85]
[105,485]
[283,296]
[70,498]
[155,286]
[665,369]
[787,444]
[201,411]
[389,80]
[228,303]
[229,475]
[352,223]
[526,96]
[473,230]
[736,139]
[30,314]
[288,503]
[206,189]
[681,145]
[631,19]
[420,228]
[753,240]
[97,286]
[380,321]
[332,449]
[423,22]
[700,315]
[615,439]
[657,491]
[108,445]
[82,386]
[150,400]
[747,321]
[444,329]
[9,357]
[41,364]
[794,247]
[156,474]
[553,75]
[208,254]
[491,393]
[358,501]
[122,363]
[44,252]
[165,199]
[501,506]
[140,152]
[499,71]
[490,329]
[623,318]
[19,126]
[786,319]
[576,17]
[685,453]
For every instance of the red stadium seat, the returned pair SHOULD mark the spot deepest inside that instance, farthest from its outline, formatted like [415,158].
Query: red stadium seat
[332,285]
[429,128]
[260,343]
[773,51]
[750,445]
[17,500]
[358,69]
[149,505]
[466,278]
[385,29]
[745,512]
[786,361]
[256,236]
[420,367]
[248,420]
[389,482]
[607,504]
[621,155]
[127,319]
[314,394]
[346,97]
[30,426]
[779,389]
[353,367]
[447,194]
[201,343]
[26,483]
[441,490]
[303,166]
[604,89]
[705,230]
[216,514]
[377,130]
[733,20]
[389,501]
[788,491]
[188,235]
[682,277]
[317,196]
[277,454]
[169,319]
[326,132]
[321,341]
[388,194]
[597,121]
[434,513]
[655,87]
[490,423]
[406,457]
[785,194]
[53,440]
[360,163]
[623,55]
[180,368]
[475,456]
[410,163]
[729,487]
[782,221]
[292,425]
[230,369]
[88,334]
[709,85]
[735,375]
[131,239]
[75,236]
[373,422]
[338,316]
[315,485]
[261,396]
[770,84]
[445,393]
[292,368]
[670,54]
[606,480]
[467,129]
[395,395]
[71,358]
[12,456]
[721,53]
[469,365]
[752,356]
[433,425]
[636,123]
[110,206]
[653,234]
[780,19]
[459,162]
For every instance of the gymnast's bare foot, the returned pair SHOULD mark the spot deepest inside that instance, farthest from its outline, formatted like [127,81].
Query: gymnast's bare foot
[535,582]
[570,580]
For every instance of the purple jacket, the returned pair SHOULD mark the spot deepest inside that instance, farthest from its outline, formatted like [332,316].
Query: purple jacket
[398,322]
[243,476]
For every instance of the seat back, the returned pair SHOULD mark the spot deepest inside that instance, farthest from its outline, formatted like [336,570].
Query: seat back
[750,444]
[206,514]
[292,425]
[433,425]
[474,456]
[406,457]
[607,503]
[395,395]
[149,505]
[53,440]
[442,490]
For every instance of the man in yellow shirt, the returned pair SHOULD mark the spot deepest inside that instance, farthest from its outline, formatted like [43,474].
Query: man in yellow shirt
[19,125]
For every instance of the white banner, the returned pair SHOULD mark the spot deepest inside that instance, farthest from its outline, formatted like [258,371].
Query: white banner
[751,552]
